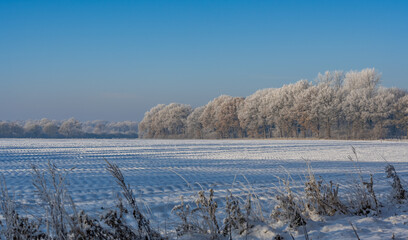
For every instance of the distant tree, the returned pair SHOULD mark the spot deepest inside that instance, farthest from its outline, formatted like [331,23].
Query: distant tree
[253,114]
[327,102]
[227,121]
[334,79]
[329,97]
[171,121]
[359,88]
[50,129]
[308,115]
[71,128]
[165,121]
[217,113]
[11,130]
[100,128]
[129,128]
[145,127]
[284,109]
[208,117]
[194,126]
[401,119]
[32,129]
[347,105]
[382,108]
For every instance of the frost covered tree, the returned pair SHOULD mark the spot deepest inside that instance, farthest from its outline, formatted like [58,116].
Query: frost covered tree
[220,117]
[165,121]
[71,128]
[382,108]
[129,128]
[344,105]
[172,121]
[194,126]
[99,128]
[145,126]
[50,129]
[401,112]
[308,116]
[32,129]
[284,110]
[334,79]
[11,130]
[208,118]
[327,102]
[248,114]
[360,89]
[227,121]
[253,115]
[328,98]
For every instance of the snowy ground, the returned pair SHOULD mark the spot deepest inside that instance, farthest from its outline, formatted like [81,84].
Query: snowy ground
[155,169]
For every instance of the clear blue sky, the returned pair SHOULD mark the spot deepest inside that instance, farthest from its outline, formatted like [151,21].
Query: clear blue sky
[113,60]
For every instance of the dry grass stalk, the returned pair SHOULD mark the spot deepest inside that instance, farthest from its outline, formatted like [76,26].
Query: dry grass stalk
[51,190]
[13,225]
[362,198]
[322,198]
[355,231]
[144,229]
[235,218]
[201,219]
[398,192]
[288,208]
[189,223]
[207,208]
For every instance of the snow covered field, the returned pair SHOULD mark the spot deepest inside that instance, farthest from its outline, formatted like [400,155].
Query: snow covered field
[158,171]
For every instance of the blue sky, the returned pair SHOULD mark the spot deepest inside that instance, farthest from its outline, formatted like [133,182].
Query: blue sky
[114,60]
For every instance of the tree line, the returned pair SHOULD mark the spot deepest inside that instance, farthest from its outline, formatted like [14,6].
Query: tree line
[70,128]
[337,105]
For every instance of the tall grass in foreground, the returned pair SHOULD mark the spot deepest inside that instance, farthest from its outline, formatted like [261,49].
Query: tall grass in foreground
[62,220]
[202,217]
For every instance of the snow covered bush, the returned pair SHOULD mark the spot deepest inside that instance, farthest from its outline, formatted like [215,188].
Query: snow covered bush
[322,198]
[235,218]
[201,219]
[289,208]
[189,223]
